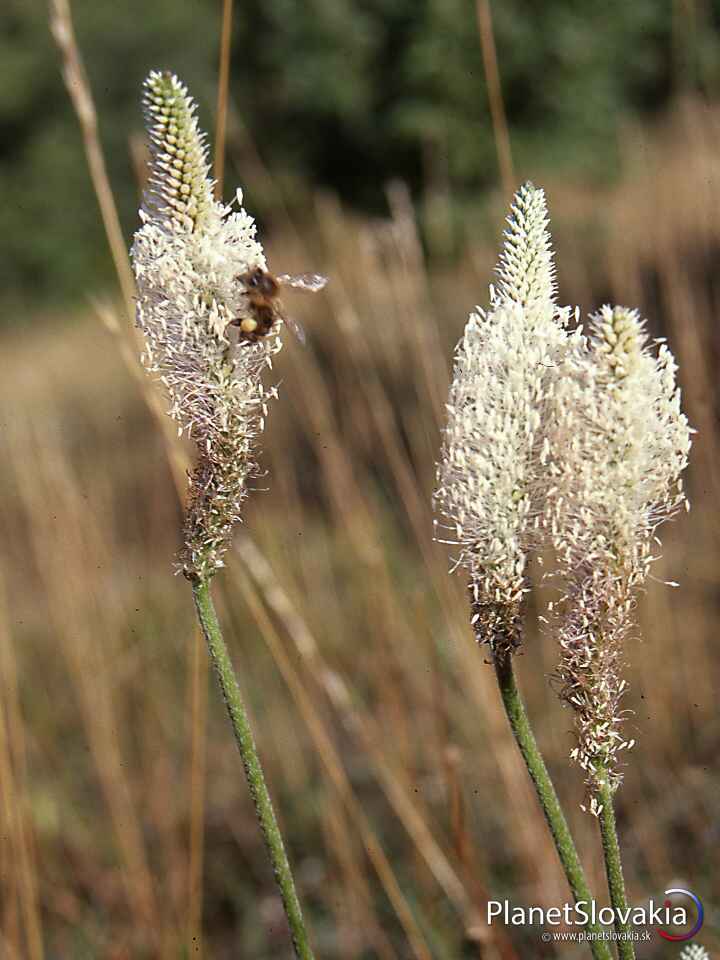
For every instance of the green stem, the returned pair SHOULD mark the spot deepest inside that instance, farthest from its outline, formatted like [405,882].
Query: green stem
[613,863]
[522,731]
[251,762]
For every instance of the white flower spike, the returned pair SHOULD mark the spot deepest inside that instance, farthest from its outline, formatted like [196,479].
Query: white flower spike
[492,476]
[617,454]
[187,257]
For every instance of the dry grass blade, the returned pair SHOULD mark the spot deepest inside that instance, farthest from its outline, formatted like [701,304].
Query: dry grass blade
[79,91]
[18,840]
[88,667]
[222,98]
[330,759]
[497,107]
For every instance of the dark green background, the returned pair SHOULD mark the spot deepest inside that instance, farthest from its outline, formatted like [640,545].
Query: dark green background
[338,94]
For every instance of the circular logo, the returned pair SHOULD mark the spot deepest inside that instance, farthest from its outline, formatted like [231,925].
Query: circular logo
[700,915]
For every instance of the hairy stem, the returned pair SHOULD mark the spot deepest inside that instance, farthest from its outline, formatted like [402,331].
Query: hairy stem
[251,762]
[522,731]
[613,864]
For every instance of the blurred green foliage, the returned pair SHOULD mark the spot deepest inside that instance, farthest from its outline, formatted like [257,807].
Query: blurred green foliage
[343,94]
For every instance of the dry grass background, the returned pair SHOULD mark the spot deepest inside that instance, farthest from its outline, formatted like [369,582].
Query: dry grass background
[404,802]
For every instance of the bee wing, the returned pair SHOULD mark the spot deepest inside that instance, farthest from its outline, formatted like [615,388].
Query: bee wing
[296,328]
[311,282]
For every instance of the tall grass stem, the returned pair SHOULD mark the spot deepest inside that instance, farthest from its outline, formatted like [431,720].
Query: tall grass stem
[495,97]
[222,97]
[613,865]
[251,762]
[78,88]
[522,731]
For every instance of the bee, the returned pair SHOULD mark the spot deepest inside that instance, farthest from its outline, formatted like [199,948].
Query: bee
[262,291]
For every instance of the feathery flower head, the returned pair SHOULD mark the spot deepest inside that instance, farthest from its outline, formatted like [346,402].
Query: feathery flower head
[619,449]
[187,256]
[491,475]
[620,445]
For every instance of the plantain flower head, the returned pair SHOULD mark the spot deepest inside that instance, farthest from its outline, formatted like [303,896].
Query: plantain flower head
[617,454]
[187,256]
[491,478]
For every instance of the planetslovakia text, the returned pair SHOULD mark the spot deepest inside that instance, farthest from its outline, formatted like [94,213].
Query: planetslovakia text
[584,912]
